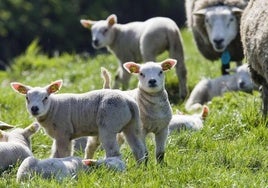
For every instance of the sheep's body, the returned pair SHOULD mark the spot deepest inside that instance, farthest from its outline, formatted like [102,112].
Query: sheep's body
[254,35]
[206,89]
[193,122]
[68,116]
[140,41]
[15,146]
[58,168]
[212,42]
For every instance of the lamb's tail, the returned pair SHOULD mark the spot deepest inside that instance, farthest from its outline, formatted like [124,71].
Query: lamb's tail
[106,76]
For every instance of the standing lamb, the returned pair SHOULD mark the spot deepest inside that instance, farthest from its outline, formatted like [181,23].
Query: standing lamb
[139,41]
[68,116]
[254,35]
[215,27]
[206,89]
[152,99]
[15,145]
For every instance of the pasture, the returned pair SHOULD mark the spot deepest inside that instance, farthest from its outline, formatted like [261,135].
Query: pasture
[231,150]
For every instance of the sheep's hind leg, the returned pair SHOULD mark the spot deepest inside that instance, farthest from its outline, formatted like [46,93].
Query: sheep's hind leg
[109,143]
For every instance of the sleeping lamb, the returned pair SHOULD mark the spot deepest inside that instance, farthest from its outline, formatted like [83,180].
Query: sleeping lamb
[193,122]
[139,41]
[206,89]
[15,145]
[215,27]
[68,116]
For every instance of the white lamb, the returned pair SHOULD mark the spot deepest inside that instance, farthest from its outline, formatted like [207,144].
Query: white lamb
[206,89]
[68,116]
[139,41]
[15,145]
[62,168]
[215,27]
[193,122]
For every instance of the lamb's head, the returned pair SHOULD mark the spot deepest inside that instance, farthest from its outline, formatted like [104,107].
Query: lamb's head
[37,98]
[23,135]
[102,31]
[151,74]
[243,78]
[221,24]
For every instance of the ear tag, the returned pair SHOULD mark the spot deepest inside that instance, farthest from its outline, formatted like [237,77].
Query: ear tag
[225,57]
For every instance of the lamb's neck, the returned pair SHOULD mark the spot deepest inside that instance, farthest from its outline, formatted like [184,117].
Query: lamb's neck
[159,98]
[114,42]
[48,116]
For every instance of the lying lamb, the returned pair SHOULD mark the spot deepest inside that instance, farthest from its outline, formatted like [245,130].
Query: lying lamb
[254,35]
[215,27]
[61,168]
[15,145]
[139,41]
[194,122]
[68,116]
[206,89]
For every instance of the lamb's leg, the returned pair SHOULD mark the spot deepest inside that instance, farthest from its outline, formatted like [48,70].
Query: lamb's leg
[160,141]
[122,77]
[109,143]
[265,99]
[137,144]
[92,145]
[61,148]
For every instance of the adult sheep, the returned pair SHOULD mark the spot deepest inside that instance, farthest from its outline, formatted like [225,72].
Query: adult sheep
[254,35]
[139,41]
[215,27]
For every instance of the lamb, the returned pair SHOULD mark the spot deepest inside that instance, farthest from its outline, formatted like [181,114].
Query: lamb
[68,116]
[206,89]
[193,122]
[62,168]
[15,145]
[254,36]
[215,27]
[139,41]
[152,99]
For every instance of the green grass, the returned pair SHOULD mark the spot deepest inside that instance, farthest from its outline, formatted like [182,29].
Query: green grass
[231,150]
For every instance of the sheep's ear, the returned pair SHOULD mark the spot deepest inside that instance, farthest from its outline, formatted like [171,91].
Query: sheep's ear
[132,67]
[5,126]
[54,86]
[205,112]
[31,129]
[112,19]
[87,23]
[201,12]
[168,64]
[20,88]
[236,10]
[89,162]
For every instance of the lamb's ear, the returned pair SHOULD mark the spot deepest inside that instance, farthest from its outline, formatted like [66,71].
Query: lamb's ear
[87,23]
[201,12]
[112,19]
[132,67]
[20,88]
[89,162]
[168,64]
[5,126]
[54,86]
[205,112]
[31,129]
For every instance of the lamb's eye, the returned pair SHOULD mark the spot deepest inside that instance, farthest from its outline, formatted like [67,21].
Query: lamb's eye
[27,99]
[45,99]
[231,19]
[160,73]
[142,75]
[104,31]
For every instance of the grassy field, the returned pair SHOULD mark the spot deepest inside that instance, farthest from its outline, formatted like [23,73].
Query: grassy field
[231,150]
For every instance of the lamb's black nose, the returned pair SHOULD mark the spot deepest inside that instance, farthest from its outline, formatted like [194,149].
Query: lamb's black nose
[152,82]
[95,42]
[34,110]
